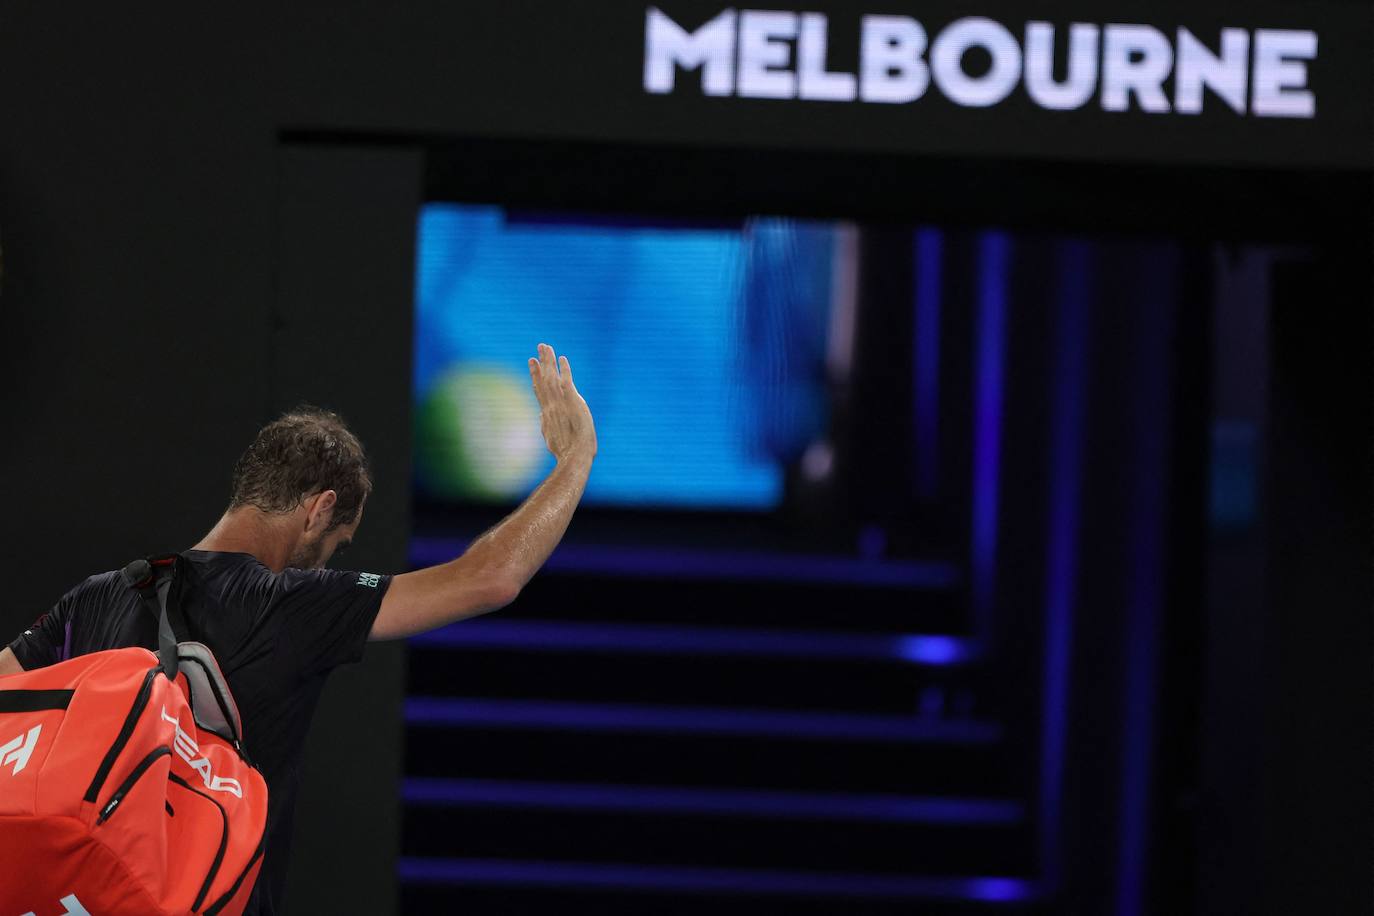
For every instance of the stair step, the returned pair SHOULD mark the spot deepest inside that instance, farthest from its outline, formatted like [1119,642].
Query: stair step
[637,718]
[548,900]
[530,751]
[667,639]
[659,563]
[715,840]
[528,664]
[746,803]
[693,880]
[872,608]
[492,899]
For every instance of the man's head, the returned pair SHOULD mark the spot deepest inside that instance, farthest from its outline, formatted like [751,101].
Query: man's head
[309,472]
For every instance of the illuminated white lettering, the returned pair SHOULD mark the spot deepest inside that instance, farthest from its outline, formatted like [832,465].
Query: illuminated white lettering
[668,46]
[777,54]
[1135,59]
[1195,67]
[1081,79]
[813,80]
[947,55]
[1280,76]
[765,53]
[891,66]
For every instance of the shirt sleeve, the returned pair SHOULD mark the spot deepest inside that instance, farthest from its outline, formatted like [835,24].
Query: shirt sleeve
[327,614]
[48,640]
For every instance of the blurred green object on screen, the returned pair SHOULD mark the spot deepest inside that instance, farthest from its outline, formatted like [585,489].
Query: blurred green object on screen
[478,435]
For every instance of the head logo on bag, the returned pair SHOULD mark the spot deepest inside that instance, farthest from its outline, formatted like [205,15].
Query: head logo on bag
[187,749]
[73,907]
[19,750]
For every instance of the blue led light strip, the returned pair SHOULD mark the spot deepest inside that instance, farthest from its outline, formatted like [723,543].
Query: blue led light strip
[654,563]
[623,718]
[1061,543]
[994,256]
[926,365]
[712,802]
[662,639]
[681,879]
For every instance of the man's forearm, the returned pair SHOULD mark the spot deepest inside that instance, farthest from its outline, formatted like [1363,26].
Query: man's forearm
[522,542]
[8,663]
[493,569]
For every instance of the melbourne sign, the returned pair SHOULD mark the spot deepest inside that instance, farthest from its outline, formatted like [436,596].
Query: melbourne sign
[771,54]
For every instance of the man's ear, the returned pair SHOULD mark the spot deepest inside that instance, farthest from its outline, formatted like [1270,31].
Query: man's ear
[320,510]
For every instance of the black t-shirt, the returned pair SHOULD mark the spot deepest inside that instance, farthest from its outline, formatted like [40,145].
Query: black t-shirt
[276,637]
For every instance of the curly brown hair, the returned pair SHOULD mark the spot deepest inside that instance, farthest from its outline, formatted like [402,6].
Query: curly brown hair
[303,452]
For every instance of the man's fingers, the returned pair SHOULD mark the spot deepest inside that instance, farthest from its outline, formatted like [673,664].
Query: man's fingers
[546,360]
[549,369]
[534,377]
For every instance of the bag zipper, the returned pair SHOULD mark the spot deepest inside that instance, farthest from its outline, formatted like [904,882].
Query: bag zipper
[125,732]
[153,756]
[223,839]
[228,895]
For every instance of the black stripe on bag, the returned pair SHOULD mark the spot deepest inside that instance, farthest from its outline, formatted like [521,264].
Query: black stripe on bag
[34,700]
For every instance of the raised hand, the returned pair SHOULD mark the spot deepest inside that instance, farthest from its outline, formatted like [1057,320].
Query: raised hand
[496,566]
[564,418]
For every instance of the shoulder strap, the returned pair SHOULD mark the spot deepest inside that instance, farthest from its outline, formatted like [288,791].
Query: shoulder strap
[158,580]
[154,579]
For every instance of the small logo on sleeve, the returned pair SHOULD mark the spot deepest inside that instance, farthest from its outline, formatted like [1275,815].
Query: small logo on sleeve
[369,579]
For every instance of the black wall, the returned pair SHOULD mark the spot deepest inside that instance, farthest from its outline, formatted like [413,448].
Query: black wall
[341,333]
[174,276]
[1314,760]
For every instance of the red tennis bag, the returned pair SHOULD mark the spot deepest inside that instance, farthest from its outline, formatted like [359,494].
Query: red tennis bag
[124,787]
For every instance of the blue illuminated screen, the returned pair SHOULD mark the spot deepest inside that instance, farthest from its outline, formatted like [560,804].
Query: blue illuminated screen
[700,349]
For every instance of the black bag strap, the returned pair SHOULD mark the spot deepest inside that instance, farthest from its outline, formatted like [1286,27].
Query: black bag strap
[158,581]
[155,578]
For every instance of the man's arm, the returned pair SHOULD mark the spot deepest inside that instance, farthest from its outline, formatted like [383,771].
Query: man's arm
[497,565]
[43,642]
[8,663]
